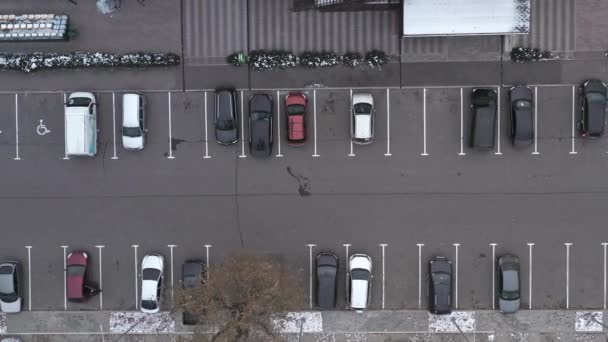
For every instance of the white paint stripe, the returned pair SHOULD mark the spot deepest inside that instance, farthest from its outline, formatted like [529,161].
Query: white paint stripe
[242,130]
[136,277]
[493,275]
[498,152]
[279,155]
[310,246]
[456,245]
[568,244]
[350,115]
[114,126]
[65,294]
[207,156]
[424,151]
[65,156]
[29,277]
[420,274]
[314,108]
[383,246]
[207,261]
[461,124]
[172,281]
[17,128]
[530,244]
[388,123]
[604,244]
[99,247]
[535,121]
[573,151]
[170,128]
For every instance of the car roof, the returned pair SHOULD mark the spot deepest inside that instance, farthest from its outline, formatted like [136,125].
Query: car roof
[524,128]
[296,127]
[326,282]
[130,110]
[359,293]
[225,105]
[363,126]
[484,126]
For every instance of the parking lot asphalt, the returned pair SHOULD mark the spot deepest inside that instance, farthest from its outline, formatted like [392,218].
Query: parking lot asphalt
[418,189]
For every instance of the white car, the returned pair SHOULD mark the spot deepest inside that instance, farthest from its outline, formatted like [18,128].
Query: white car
[133,121]
[362,121]
[152,268]
[10,298]
[359,281]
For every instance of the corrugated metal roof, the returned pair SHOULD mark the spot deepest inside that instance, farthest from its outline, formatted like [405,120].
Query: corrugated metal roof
[465,17]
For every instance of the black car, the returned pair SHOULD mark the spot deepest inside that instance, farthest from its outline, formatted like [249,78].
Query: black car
[440,285]
[522,115]
[483,108]
[593,108]
[327,273]
[194,274]
[226,118]
[260,125]
[508,284]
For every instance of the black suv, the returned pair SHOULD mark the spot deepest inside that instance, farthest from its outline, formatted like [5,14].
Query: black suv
[327,273]
[440,285]
[226,119]
[260,125]
[483,108]
[593,108]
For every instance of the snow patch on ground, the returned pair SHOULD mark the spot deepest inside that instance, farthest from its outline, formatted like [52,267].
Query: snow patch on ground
[141,323]
[294,322]
[588,321]
[451,322]
[2,323]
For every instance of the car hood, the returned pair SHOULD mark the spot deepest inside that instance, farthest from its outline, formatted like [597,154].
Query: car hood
[11,307]
[521,93]
[360,262]
[152,261]
[260,103]
[508,306]
[365,98]
[358,294]
[133,143]
[595,86]
[226,137]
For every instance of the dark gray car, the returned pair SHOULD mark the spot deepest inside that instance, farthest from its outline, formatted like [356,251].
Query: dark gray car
[226,118]
[327,273]
[193,275]
[593,108]
[483,108]
[508,284]
[522,115]
[260,125]
[440,286]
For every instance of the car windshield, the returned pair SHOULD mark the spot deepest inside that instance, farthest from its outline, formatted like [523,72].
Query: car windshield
[150,274]
[510,295]
[6,284]
[148,304]
[359,274]
[225,125]
[523,104]
[132,132]
[596,97]
[75,270]
[295,109]
[79,102]
[363,108]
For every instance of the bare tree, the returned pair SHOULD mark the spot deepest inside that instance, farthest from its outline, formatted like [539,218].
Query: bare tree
[243,299]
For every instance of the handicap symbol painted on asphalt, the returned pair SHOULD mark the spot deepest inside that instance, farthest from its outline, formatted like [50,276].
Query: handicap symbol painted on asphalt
[41,129]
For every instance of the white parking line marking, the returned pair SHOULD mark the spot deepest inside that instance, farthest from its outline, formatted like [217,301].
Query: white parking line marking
[16,128]
[388,123]
[346,245]
[170,131]
[136,276]
[498,117]
[65,294]
[424,152]
[310,246]
[461,153]
[383,246]
[279,155]
[573,151]
[419,274]
[29,277]
[207,261]
[99,247]
[114,126]
[172,282]
[493,275]
[535,121]
[568,244]
[242,130]
[314,108]
[604,244]
[456,278]
[207,156]
[65,155]
[350,115]
[530,244]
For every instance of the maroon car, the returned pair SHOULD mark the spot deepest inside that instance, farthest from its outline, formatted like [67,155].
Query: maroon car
[295,104]
[76,272]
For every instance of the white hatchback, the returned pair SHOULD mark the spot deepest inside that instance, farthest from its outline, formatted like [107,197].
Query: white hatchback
[359,281]
[362,120]
[152,268]
[133,121]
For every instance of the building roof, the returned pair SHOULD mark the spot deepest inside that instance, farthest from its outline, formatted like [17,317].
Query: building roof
[465,17]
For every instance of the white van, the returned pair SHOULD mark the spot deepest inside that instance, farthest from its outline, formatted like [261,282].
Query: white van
[133,121]
[81,125]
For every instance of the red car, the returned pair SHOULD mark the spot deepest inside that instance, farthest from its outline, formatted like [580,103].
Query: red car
[295,104]
[76,272]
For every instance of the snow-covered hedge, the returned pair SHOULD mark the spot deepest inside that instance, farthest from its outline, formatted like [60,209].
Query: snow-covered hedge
[520,54]
[79,60]
[272,60]
[352,59]
[319,59]
[280,60]
[376,58]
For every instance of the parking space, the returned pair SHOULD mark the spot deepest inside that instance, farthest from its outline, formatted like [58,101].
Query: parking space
[41,127]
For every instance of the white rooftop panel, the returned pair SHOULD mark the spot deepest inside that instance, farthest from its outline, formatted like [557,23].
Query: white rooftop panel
[465,17]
